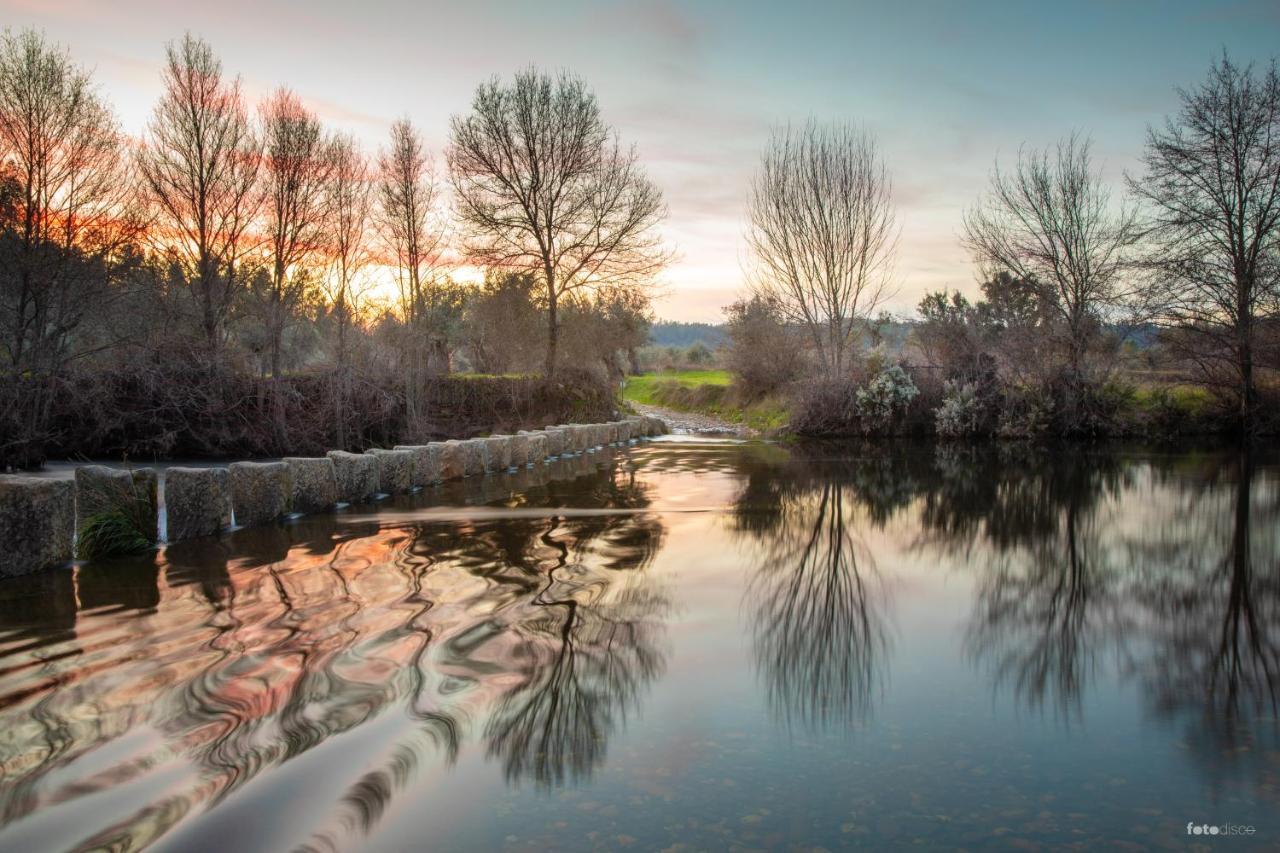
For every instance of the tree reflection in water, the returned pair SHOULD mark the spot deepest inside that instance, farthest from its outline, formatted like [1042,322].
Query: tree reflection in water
[589,643]
[816,597]
[1050,599]
[238,664]
[1209,583]
[1170,571]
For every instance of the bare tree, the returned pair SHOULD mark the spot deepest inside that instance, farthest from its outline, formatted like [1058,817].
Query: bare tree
[349,205]
[295,175]
[1051,222]
[199,164]
[350,208]
[410,230]
[406,202]
[543,185]
[69,214]
[822,231]
[1212,185]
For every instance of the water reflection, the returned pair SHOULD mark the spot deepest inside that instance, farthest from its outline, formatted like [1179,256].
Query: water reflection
[1210,584]
[315,679]
[1050,605]
[531,636]
[815,594]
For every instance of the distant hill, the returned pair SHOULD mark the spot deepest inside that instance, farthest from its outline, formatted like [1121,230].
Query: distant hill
[668,334]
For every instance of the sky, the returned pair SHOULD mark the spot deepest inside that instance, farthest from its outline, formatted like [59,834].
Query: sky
[946,88]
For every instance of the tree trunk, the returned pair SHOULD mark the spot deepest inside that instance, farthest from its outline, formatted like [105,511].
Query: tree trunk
[1246,384]
[1244,352]
[553,325]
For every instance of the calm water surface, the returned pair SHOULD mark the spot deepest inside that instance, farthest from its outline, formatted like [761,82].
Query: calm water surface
[686,645]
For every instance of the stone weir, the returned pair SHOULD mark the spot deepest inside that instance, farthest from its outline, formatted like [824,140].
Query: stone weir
[40,518]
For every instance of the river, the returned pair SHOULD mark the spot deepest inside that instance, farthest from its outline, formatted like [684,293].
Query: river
[685,644]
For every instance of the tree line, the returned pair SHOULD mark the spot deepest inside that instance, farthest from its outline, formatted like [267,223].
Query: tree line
[1190,257]
[254,240]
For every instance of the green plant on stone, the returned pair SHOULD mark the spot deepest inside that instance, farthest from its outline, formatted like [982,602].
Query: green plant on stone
[111,534]
[124,524]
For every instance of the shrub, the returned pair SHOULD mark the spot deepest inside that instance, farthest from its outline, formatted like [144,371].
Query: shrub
[884,398]
[1025,413]
[762,354]
[698,354]
[962,413]
[844,407]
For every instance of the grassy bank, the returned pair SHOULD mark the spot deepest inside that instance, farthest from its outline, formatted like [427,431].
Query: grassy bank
[705,392]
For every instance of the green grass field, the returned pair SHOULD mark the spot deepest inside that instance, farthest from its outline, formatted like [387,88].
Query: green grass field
[645,387]
[706,392]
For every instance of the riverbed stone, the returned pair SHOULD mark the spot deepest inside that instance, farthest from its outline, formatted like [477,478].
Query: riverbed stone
[426,463]
[626,431]
[395,470]
[37,524]
[473,456]
[356,475]
[133,492]
[260,491]
[197,502]
[452,460]
[498,452]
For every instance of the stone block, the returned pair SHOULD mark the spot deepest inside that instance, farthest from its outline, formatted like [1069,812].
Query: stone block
[197,502]
[426,463]
[555,440]
[101,489]
[497,453]
[37,524]
[315,483]
[260,491]
[539,447]
[356,474]
[519,450]
[474,456]
[395,470]
[452,460]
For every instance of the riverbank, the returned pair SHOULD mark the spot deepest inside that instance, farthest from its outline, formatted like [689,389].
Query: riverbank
[703,401]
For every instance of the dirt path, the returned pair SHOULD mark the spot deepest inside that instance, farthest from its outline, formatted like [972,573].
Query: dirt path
[693,422]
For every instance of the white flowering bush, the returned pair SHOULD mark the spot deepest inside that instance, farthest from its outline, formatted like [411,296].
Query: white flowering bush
[961,412]
[884,398]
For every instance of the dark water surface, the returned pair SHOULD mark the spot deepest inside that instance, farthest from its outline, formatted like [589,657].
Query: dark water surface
[684,645]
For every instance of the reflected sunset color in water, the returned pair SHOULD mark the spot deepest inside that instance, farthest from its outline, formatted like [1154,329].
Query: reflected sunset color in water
[706,643]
